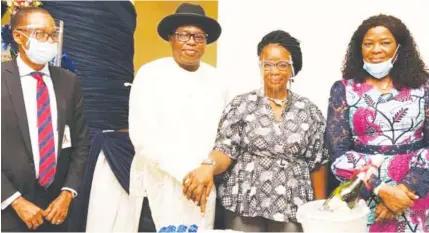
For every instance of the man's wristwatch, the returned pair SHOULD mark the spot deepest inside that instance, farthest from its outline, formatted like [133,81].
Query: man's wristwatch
[209,162]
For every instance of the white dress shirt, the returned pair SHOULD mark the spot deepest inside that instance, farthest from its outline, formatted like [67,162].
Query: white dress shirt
[29,90]
[173,120]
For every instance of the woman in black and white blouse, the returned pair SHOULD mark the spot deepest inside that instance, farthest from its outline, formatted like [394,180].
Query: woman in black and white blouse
[270,143]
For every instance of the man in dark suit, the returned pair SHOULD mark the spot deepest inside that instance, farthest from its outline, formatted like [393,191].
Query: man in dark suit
[44,134]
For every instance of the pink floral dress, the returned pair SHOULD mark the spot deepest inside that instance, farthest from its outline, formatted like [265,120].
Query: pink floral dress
[363,122]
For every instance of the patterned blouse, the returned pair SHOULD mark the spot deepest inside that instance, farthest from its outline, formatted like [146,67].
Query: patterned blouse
[272,159]
[362,122]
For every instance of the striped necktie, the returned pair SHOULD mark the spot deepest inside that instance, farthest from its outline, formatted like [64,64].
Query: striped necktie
[47,162]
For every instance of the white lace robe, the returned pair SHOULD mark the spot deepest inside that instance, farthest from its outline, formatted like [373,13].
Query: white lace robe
[173,122]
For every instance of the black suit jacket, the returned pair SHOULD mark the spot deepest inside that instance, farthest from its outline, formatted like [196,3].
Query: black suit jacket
[17,163]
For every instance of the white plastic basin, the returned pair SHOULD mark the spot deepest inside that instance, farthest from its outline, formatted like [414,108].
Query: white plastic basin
[315,220]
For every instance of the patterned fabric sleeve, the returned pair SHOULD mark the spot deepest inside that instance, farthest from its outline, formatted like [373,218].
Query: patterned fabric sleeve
[338,139]
[228,137]
[417,178]
[316,153]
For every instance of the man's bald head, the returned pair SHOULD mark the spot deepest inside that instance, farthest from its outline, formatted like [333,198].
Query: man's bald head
[32,16]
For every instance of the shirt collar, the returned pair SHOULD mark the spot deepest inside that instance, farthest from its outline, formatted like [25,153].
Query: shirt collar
[25,70]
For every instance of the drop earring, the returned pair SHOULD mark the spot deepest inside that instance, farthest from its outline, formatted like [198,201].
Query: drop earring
[291,80]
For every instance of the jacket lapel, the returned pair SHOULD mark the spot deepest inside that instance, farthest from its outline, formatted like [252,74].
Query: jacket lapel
[61,104]
[13,82]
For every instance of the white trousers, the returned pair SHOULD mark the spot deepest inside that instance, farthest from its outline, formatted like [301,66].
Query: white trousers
[109,204]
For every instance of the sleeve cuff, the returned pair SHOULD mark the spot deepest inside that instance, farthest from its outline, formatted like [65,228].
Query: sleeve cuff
[417,180]
[71,190]
[9,201]
[226,150]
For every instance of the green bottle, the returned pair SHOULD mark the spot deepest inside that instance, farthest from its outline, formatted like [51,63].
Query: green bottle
[347,193]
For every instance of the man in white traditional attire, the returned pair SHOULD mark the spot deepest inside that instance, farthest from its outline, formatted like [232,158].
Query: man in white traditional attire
[175,107]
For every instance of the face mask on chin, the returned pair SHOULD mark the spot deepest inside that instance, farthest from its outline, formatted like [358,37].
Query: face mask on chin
[382,69]
[40,52]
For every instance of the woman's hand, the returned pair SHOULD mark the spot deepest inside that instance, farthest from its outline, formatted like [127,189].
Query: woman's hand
[398,198]
[382,213]
[409,192]
[198,183]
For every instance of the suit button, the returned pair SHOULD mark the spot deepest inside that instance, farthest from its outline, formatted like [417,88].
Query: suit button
[32,164]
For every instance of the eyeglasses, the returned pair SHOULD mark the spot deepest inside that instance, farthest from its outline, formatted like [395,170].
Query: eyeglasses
[41,35]
[186,36]
[281,65]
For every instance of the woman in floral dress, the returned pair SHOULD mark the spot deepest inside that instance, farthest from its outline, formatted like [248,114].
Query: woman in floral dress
[382,107]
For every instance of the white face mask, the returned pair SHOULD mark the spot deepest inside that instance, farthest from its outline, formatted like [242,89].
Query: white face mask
[40,52]
[382,69]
